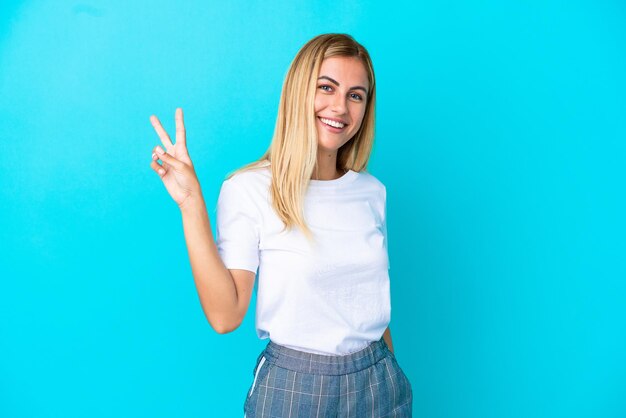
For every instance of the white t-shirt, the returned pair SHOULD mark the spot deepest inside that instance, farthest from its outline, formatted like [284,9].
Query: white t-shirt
[329,297]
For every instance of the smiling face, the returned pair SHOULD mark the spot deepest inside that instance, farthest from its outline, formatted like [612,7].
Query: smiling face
[340,101]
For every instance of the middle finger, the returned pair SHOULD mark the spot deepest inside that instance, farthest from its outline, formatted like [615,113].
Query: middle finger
[165,138]
[180,127]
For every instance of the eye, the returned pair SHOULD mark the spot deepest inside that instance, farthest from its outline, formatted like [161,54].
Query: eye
[356,96]
[325,87]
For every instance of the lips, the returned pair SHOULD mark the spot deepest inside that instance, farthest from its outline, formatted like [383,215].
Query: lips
[333,123]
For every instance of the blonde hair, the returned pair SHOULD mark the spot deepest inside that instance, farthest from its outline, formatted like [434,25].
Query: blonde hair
[292,155]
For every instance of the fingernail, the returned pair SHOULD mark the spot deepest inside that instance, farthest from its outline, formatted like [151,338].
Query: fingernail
[160,150]
[161,171]
[154,156]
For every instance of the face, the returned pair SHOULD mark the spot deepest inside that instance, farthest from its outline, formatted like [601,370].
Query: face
[340,101]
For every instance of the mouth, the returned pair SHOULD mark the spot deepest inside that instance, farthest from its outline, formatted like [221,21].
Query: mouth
[332,124]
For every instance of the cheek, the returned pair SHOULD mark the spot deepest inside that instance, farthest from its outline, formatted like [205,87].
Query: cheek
[319,103]
[358,116]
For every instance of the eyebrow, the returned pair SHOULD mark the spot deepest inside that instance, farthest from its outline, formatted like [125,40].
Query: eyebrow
[337,83]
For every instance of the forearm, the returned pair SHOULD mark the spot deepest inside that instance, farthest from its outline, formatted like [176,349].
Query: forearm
[214,283]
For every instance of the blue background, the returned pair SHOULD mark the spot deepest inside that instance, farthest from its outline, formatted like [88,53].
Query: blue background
[500,136]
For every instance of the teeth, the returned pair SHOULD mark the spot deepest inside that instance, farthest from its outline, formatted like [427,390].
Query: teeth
[333,123]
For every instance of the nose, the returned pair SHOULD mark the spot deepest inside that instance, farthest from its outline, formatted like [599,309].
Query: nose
[339,104]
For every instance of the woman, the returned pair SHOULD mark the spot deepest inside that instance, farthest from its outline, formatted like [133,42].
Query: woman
[312,221]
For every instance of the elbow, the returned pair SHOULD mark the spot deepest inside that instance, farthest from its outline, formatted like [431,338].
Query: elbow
[224,328]
[223,322]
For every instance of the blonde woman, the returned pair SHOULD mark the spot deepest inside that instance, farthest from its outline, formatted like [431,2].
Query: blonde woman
[311,220]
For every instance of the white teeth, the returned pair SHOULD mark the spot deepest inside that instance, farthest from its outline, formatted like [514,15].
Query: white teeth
[333,123]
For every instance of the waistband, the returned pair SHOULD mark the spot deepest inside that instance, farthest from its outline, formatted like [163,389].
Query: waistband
[312,363]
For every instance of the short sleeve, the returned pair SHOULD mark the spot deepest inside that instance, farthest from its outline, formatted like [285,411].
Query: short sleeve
[237,224]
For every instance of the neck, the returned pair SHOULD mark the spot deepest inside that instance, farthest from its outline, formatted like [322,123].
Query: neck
[326,167]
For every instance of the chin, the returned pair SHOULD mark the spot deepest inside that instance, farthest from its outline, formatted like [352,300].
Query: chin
[324,148]
[329,145]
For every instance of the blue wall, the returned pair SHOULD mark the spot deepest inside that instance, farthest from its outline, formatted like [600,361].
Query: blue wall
[501,139]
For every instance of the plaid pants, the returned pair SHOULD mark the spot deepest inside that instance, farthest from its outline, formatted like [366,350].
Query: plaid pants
[292,383]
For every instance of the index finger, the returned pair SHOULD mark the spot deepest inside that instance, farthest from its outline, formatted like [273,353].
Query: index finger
[165,138]
[180,127]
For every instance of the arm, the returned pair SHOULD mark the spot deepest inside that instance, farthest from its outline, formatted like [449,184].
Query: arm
[387,337]
[224,294]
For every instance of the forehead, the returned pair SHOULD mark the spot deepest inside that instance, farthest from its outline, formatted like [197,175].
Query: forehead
[349,70]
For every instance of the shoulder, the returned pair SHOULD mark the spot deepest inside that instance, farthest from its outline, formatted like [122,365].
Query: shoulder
[249,178]
[370,182]
[246,189]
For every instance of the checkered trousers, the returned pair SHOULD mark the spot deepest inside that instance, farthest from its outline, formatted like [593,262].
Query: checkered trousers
[292,383]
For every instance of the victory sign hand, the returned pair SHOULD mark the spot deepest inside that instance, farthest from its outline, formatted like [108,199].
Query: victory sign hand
[176,170]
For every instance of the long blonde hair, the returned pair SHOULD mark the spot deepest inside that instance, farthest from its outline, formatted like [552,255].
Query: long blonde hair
[292,155]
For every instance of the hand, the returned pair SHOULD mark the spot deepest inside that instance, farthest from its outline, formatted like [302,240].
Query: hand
[177,172]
